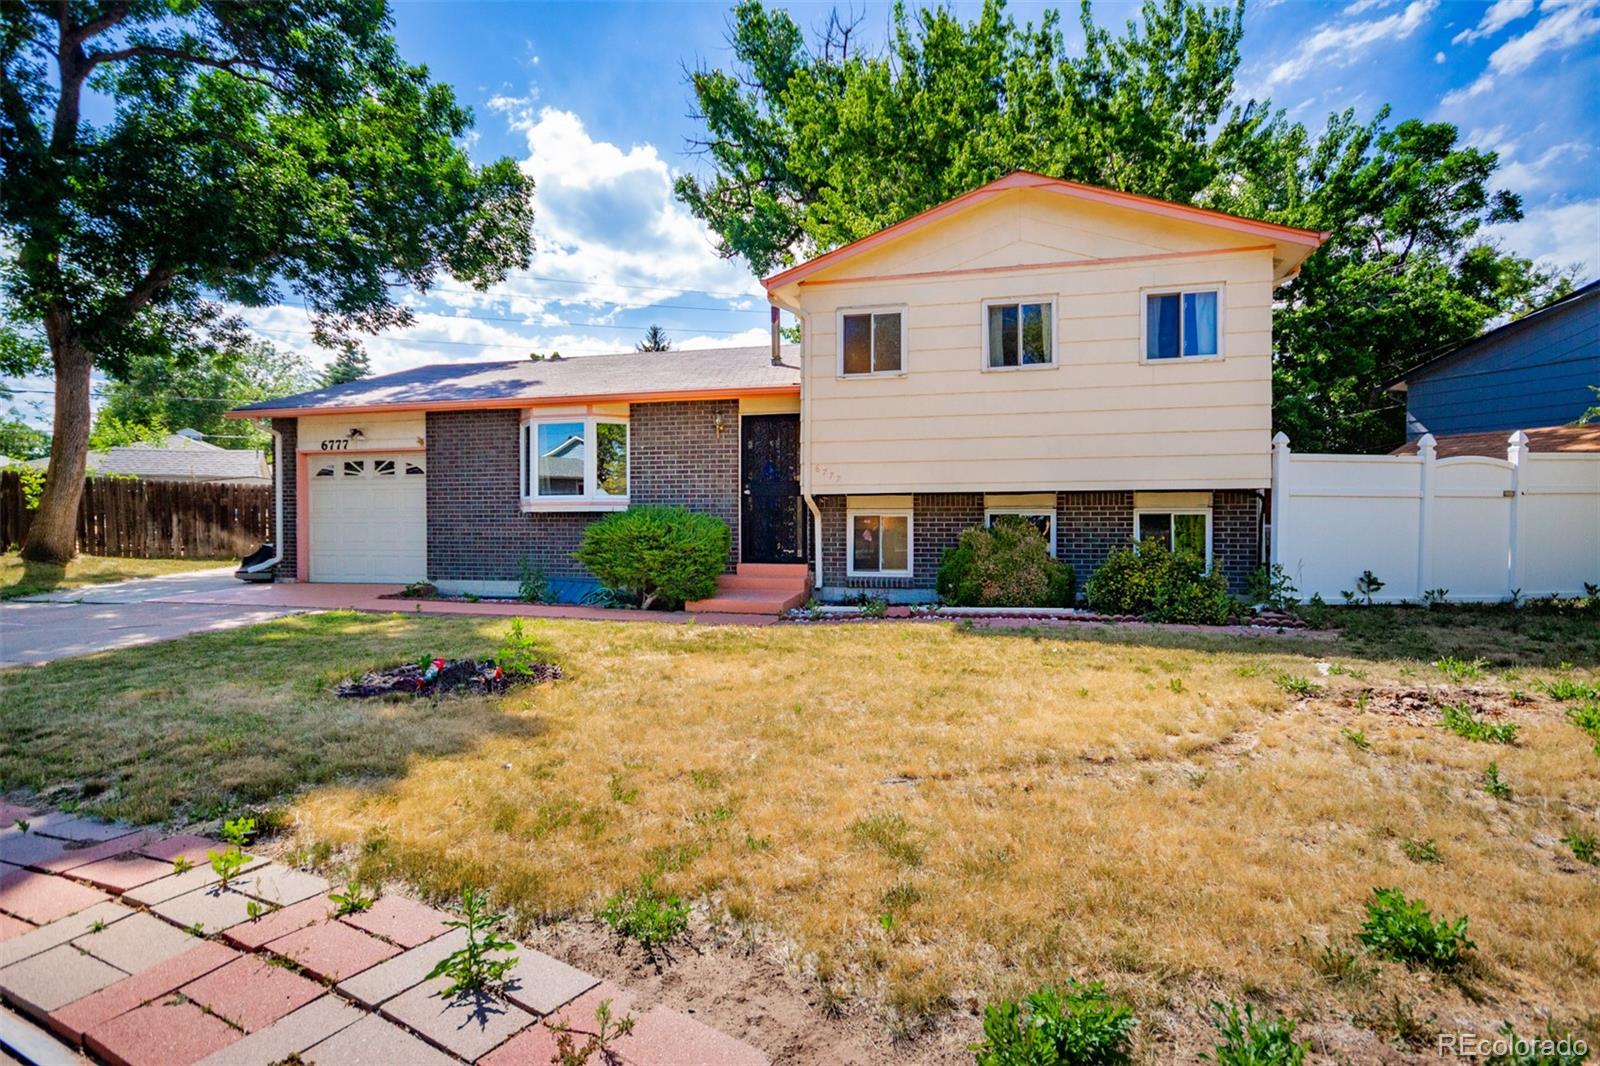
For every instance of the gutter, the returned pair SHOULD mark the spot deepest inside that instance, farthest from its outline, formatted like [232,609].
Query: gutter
[277,510]
[805,406]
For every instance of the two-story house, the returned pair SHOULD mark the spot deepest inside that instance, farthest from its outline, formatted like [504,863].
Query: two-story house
[1095,361]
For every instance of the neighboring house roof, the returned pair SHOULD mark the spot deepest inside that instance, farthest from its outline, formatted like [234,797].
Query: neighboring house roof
[178,457]
[1439,358]
[1297,243]
[1495,444]
[703,373]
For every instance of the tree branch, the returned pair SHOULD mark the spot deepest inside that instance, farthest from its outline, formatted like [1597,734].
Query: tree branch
[95,27]
[233,65]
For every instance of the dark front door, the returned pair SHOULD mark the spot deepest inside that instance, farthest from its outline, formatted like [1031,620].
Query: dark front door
[772,516]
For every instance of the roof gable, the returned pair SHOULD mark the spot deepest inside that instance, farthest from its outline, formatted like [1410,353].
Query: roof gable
[1142,226]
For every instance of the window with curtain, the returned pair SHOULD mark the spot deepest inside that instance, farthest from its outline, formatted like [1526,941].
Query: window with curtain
[872,342]
[1019,334]
[1179,324]
[880,543]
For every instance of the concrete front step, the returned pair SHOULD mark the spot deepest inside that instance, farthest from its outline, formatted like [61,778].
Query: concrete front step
[748,601]
[756,581]
[794,571]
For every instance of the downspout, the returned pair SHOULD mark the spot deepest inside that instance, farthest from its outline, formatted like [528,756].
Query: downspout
[805,469]
[277,508]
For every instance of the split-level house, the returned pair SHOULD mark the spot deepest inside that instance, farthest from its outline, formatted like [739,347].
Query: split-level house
[1097,362]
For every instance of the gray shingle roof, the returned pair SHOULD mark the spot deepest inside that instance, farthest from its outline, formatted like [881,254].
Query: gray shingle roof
[622,375]
[155,463]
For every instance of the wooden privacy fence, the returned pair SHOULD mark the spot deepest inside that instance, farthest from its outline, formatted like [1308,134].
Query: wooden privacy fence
[154,519]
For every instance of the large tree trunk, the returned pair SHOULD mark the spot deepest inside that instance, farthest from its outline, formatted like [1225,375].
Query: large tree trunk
[53,536]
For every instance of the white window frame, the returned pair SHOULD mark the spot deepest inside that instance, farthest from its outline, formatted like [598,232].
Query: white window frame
[1138,512]
[592,499]
[991,513]
[905,339]
[850,516]
[1180,291]
[1007,301]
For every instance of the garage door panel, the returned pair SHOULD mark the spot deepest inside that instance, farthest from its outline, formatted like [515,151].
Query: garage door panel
[368,519]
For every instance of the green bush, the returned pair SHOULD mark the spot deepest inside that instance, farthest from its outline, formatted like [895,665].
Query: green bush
[1069,1025]
[664,555]
[1246,1041]
[1404,930]
[1160,586]
[1008,565]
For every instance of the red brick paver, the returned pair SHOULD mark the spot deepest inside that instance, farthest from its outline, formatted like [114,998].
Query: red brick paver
[161,1034]
[121,872]
[333,951]
[10,927]
[664,1036]
[40,898]
[75,856]
[187,845]
[73,1020]
[251,992]
[279,923]
[403,921]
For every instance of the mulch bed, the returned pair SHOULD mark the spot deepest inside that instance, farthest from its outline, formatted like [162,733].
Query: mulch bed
[458,675]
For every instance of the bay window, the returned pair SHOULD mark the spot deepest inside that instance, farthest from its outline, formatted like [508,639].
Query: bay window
[1184,323]
[574,462]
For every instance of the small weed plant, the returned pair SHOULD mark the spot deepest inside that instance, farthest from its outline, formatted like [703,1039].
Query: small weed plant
[481,966]
[1584,844]
[1245,1040]
[1368,586]
[1272,587]
[518,653]
[1422,852]
[1405,930]
[873,606]
[182,864]
[1067,1025]
[1494,785]
[597,1048]
[1295,685]
[351,901]
[1434,597]
[532,584]
[1461,720]
[1460,669]
[1356,737]
[230,859]
[1587,718]
[1567,689]
[646,915]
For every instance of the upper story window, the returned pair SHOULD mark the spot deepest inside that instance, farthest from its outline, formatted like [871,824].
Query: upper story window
[872,342]
[1018,333]
[1183,323]
[575,461]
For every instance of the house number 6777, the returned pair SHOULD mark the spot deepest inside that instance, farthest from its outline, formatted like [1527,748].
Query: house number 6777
[335,445]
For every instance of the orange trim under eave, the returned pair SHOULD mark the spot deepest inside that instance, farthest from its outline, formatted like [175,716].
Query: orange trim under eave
[543,401]
[1023,179]
[1017,267]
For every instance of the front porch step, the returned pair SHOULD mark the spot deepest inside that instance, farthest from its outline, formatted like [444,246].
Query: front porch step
[758,588]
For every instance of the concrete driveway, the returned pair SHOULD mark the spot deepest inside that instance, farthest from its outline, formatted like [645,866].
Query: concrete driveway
[60,625]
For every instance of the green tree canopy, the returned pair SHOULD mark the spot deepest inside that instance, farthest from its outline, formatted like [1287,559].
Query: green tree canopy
[351,364]
[251,149]
[655,340]
[812,144]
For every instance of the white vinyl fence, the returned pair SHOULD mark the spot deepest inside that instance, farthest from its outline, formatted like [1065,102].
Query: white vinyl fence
[1483,528]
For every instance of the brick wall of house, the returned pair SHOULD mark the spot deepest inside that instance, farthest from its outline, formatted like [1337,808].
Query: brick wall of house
[289,428]
[477,530]
[1089,526]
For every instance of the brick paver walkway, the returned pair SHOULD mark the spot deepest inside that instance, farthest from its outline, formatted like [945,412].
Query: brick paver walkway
[99,943]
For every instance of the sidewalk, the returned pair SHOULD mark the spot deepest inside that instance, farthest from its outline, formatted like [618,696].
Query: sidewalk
[104,943]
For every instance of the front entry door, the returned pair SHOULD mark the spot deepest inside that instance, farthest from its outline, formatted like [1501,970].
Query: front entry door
[772,516]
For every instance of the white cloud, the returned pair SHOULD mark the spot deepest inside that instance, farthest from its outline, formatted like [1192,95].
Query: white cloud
[1552,167]
[1499,15]
[1562,24]
[1556,234]
[1363,6]
[1438,57]
[1344,43]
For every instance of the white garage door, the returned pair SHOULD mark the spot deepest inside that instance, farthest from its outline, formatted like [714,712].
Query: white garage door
[368,517]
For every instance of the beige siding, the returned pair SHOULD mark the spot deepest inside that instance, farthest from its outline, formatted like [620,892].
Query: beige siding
[1100,418]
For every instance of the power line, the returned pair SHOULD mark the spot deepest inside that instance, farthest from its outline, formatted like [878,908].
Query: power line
[566,322]
[535,296]
[620,285]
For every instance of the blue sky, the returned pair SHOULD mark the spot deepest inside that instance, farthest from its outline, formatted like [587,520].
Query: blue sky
[591,98]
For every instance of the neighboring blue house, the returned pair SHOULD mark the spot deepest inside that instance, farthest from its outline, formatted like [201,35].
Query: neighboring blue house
[1535,371]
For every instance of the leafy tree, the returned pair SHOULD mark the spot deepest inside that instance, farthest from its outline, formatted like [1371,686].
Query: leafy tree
[351,364]
[655,340]
[112,431]
[197,393]
[250,149]
[815,144]
[19,440]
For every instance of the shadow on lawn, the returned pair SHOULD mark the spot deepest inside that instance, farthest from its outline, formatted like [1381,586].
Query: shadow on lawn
[193,729]
[1538,635]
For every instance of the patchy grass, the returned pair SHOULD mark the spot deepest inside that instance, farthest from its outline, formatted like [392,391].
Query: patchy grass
[21,578]
[1020,806]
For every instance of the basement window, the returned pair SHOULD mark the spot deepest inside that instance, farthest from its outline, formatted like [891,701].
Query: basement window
[574,463]
[880,543]
[1185,531]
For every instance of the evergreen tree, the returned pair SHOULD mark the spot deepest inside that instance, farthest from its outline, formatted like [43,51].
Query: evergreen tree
[351,364]
[655,340]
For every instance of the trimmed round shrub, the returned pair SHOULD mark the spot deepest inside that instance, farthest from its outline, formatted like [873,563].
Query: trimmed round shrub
[1154,583]
[1006,566]
[663,555]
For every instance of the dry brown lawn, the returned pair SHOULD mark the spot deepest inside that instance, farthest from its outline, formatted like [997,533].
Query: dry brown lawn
[913,818]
